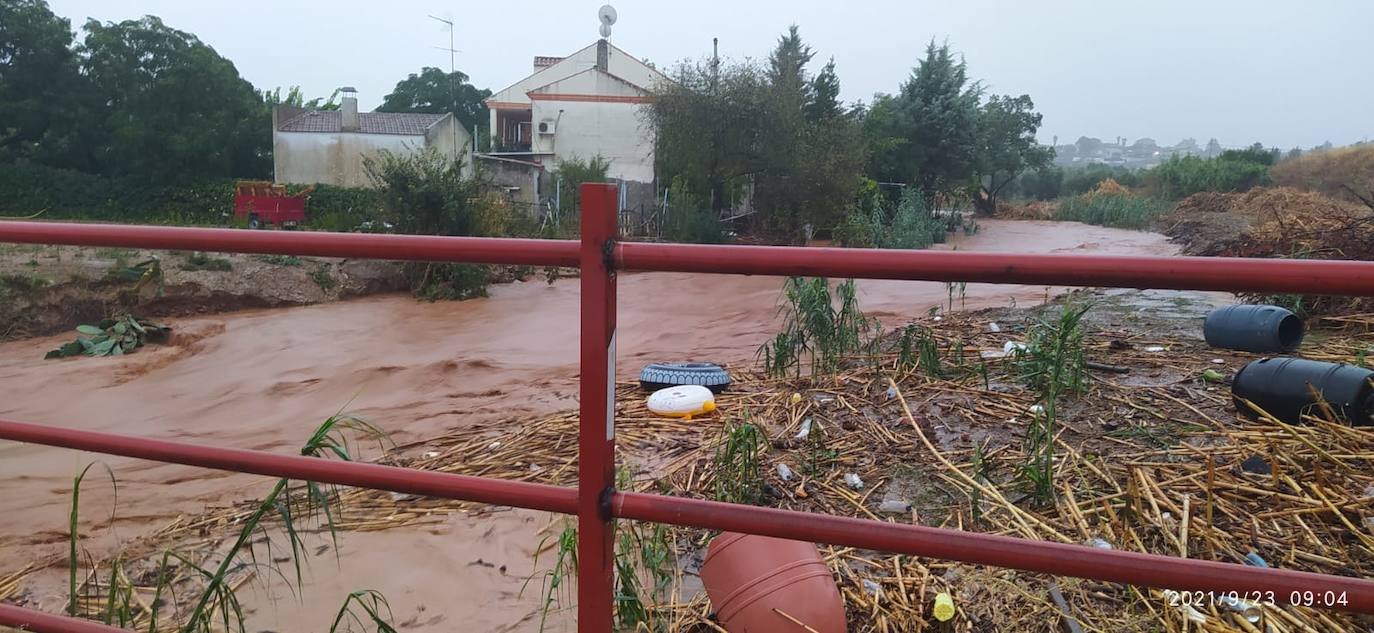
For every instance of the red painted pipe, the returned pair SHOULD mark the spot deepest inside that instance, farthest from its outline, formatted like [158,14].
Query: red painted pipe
[1002,551]
[1114,271]
[39,622]
[1052,558]
[407,480]
[596,416]
[483,250]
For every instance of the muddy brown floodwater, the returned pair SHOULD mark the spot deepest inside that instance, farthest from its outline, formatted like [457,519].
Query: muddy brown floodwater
[264,379]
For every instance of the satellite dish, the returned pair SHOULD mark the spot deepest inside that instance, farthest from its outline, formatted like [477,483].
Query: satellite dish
[607,16]
[605,30]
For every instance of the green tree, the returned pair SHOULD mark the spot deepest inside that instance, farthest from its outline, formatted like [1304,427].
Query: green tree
[574,171]
[434,91]
[294,97]
[169,106]
[825,95]
[773,129]
[38,76]
[706,125]
[1006,146]
[934,118]
[1044,183]
[1256,154]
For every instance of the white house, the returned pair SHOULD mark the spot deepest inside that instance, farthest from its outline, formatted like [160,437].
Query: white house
[328,146]
[580,106]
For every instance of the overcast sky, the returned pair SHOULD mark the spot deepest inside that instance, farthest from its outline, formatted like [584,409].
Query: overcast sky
[1286,73]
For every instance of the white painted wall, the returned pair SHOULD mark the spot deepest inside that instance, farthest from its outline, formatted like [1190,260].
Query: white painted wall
[612,130]
[308,158]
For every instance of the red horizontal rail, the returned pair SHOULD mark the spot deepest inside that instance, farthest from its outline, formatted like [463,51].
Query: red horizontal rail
[436,248]
[1037,556]
[1060,559]
[1182,273]
[39,622]
[376,476]
[1112,271]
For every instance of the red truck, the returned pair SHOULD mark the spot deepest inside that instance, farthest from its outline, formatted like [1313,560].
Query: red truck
[264,203]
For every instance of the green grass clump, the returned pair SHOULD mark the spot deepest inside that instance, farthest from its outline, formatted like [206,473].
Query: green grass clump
[279,260]
[1052,364]
[643,564]
[202,261]
[737,467]
[815,329]
[302,508]
[323,279]
[1123,211]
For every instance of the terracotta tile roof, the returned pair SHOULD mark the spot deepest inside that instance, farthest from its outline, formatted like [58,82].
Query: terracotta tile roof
[404,123]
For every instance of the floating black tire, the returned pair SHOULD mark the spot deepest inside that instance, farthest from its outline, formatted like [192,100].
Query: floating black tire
[663,375]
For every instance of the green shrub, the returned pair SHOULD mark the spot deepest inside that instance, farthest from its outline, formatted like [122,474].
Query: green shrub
[343,209]
[911,226]
[426,194]
[571,173]
[64,194]
[1180,177]
[449,282]
[323,278]
[1081,181]
[689,220]
[202,261]
[1119,210]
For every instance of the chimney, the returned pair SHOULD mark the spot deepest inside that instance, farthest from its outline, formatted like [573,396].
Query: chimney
[348,107]
[603,55]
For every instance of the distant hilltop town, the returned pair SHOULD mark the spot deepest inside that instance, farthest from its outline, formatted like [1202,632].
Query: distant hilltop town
[1142,153]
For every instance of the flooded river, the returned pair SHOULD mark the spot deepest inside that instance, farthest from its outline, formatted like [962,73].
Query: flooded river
[264,379]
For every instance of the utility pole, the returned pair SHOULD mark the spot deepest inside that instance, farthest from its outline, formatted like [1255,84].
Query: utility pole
[453,84]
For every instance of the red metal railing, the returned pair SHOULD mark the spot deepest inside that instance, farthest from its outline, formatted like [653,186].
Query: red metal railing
[595,501]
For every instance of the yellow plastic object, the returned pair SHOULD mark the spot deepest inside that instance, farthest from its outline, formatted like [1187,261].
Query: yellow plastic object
[944,607]
[682,402]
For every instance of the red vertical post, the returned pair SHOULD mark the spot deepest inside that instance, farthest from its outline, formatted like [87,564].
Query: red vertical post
[596,428]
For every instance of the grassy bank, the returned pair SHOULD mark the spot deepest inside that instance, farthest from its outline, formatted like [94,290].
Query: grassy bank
[1118,210]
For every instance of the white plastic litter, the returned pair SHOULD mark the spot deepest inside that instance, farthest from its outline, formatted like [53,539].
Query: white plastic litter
[1218,361]
[1036,409]
[805,429]
[534,468]
[1008,349]
[494,445]
[939,318]
[852,480]
[891,393]
[994,328]
[871,587]
[431,454]
[784,472]
[1173,597]
[1099,543]
[892,506]
[1155,348]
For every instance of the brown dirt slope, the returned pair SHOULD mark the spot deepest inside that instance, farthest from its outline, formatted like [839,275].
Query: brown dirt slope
[49,289]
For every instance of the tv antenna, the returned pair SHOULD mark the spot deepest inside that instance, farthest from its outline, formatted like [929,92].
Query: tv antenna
[607,16]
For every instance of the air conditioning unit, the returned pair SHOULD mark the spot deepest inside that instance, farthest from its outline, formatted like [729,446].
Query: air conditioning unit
[546,126]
